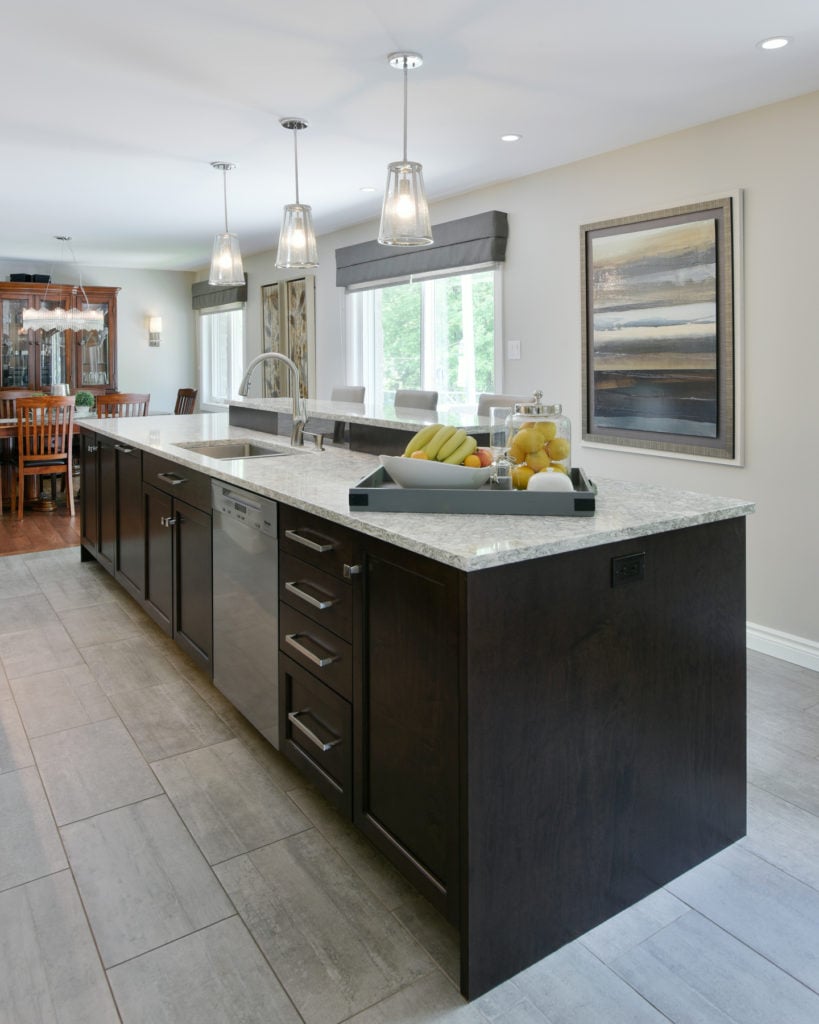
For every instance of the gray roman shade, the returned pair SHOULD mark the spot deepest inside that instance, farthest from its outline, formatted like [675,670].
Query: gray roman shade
[458,243]
[205,296]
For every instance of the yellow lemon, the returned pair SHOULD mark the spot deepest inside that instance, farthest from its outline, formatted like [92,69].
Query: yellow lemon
[546,429]
[558,448]
[516,454]
[521,476]
[528,439]
[538,460]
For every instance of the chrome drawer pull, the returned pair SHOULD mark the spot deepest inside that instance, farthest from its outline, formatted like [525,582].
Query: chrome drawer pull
[320,662]
[90,449]
[293,717]
[172,479]
[321,548]
[293,588]
[167,521]
[123,448]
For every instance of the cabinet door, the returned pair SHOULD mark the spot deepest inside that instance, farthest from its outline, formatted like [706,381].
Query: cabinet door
[406,724]
[193,607]
[130,563]
[89,492]
[158,600]
[18,348]
[107,542]
[94,362]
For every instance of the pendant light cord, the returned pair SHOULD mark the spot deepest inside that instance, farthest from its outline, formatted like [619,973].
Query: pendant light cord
[296,160]
[405,110]
[224,183]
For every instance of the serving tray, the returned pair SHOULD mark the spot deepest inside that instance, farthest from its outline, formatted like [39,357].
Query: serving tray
[378,492]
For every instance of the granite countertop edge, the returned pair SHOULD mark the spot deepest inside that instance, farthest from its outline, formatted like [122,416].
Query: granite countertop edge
[319,483]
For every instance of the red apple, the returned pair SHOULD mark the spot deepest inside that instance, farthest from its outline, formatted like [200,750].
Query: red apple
[484,455]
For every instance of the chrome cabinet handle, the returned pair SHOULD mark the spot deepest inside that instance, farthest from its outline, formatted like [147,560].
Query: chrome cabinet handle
[352,570]
[292,639]
[172,479]
[90,449]
[167,521]
[293,717]
[123,448]
[293,588]
[320,548]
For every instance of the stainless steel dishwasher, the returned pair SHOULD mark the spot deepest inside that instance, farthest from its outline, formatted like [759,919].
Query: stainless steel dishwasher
[245,605]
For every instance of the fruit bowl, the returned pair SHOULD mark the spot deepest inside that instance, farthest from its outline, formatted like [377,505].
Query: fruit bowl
[427,473]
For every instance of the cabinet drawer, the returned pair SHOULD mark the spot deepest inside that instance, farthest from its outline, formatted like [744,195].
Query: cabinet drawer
[322,597]
[326,545]
[179,481]
[316,731]
[318,650]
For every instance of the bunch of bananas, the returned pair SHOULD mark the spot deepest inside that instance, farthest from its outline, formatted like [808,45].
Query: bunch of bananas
[443,444]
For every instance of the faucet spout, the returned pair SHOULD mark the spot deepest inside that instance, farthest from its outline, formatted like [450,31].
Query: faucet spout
[299,409]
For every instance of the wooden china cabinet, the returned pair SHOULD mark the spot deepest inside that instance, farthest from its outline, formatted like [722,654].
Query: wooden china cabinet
[86,360]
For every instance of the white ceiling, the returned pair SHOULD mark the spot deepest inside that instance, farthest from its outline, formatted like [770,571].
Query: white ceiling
[110,114]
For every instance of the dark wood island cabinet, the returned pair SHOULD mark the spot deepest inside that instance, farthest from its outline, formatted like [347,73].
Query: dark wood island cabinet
[537,734]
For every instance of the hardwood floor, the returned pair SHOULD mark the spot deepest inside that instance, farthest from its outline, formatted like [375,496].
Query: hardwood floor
[38,531]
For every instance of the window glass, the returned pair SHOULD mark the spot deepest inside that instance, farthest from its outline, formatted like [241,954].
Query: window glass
[221,349]
[436,334]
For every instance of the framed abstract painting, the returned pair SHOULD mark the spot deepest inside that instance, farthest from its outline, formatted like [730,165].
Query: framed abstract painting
[288,326]
[661,353]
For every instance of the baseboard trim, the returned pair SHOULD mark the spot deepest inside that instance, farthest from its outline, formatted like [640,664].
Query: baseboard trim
[785,646]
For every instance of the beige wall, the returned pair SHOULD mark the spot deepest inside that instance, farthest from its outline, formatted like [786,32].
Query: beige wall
[773,155]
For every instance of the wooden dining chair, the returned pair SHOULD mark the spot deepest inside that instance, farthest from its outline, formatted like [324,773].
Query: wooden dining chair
[44,438]
[8,445]
[122,404]
[185,401]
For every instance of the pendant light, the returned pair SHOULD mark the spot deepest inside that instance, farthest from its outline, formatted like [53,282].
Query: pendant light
[405,214]
[80,317]
[297,240]
[226,259]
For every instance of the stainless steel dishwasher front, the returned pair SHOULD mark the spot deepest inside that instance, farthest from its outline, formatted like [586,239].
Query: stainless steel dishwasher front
[245,605]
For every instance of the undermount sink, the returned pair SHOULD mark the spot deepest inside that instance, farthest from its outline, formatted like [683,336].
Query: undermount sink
[232,449]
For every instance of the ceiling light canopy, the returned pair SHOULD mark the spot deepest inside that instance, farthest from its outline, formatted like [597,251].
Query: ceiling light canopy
[226,258]
[297,240]
[405,213]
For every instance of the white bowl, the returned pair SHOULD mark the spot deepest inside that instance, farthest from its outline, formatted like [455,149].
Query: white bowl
[426,473]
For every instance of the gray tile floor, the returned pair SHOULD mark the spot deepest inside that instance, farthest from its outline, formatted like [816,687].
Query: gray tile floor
[159,862]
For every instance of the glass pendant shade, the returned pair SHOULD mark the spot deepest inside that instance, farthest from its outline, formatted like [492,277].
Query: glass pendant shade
[297,240]
[226,260]
[405,214]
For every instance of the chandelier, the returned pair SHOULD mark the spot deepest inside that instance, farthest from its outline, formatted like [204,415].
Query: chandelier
[60,319]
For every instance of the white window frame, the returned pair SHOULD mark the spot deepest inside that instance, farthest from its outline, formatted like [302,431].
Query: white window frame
[235,362]
[362,350]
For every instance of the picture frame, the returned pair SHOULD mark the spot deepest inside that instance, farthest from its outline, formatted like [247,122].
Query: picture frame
[660,332]
[288,326]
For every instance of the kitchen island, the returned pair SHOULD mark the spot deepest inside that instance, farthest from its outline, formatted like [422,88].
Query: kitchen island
[538,720]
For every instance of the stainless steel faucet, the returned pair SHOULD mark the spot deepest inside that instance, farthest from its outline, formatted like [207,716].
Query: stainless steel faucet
[299,408]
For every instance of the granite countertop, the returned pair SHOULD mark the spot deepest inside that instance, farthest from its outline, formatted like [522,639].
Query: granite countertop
[384,415]
[319,482]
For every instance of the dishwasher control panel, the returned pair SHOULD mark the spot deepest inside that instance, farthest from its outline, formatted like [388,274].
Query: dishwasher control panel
[244,507]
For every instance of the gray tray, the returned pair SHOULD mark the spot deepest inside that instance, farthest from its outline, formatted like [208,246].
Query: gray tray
[378,492]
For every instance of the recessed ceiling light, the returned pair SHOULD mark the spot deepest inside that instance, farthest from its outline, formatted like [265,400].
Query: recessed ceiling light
[774,43]
[511,137]
[367,188]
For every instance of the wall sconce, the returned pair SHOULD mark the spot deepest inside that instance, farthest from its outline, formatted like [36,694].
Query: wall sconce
[154,330]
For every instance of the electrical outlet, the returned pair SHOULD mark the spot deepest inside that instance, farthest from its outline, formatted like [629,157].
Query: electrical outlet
[513,350]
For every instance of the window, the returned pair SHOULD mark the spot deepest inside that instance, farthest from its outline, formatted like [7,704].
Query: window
[437,333]
[221,353]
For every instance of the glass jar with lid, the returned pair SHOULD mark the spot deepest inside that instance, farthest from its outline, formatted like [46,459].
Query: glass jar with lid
[538,438]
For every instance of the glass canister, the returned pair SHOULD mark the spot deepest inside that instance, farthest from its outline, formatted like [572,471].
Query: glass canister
[538,438]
